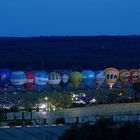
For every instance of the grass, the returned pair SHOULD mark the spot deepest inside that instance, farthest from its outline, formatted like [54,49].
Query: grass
[96,93]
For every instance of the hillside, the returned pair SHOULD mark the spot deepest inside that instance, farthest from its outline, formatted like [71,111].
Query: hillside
[49,53]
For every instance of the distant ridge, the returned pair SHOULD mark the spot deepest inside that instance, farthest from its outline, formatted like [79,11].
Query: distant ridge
[70,52]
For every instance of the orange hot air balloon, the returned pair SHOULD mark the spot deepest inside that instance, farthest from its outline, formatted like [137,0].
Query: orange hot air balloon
[134,76]
[111,75]
[124,76]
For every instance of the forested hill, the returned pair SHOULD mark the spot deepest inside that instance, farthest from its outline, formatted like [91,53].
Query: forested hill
[51,53]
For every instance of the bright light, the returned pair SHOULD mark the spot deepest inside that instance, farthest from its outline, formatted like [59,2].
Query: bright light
[93,100]
[46,98]
[73,95]
[120,94]
[43,106]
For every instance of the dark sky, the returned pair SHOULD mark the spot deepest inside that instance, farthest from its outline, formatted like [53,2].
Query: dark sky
[69,17]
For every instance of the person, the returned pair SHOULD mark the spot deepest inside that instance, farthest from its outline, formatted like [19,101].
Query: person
[77,120]
[76,123]
[23,124]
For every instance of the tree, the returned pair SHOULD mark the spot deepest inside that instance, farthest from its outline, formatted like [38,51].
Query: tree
[60,100]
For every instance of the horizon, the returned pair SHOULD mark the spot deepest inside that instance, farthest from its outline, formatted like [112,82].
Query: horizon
[43,36]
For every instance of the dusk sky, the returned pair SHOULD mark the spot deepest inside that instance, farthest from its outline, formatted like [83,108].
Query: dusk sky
[69,17]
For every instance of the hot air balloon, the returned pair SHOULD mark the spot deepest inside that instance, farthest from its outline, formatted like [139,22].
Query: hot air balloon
[88,77]
[65,78]
[111,75]
[76,78]
[100,78]
[124,76]
[139,73]
[29,81]
[5,75]
[54,79]
[41,79]
[17,79]
[134,76]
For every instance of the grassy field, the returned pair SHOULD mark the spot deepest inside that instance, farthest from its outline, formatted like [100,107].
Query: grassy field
[94,92]
[98,94]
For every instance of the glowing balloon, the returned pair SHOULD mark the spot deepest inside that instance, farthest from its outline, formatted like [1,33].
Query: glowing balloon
[54,79]
[100,78]
[88,77]
[29,81]
[76,78]
[65,78]
[17,79]
[41,79]
[124,76]
[5,75]
[111,75]
[134,76]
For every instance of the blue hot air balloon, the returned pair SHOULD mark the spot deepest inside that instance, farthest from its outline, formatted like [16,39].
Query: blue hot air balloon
[100,78]
[54,79]
[18,79]
[65,78]
[88,77]
[41,79]
[5,78]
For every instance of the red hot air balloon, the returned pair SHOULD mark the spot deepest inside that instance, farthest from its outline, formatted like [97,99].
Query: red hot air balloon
[134,76]
[29,81]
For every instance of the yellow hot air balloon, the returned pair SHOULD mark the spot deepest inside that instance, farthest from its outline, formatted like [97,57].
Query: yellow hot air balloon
[111,75]
[124,76]
[76,78]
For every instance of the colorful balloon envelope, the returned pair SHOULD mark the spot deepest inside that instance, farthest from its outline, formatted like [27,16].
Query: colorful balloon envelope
[18,79]
[111,75]
[54,79]
[88,77]
[65,78]
[100,78]
[76,78]
[124,76]
[5,75]
[29,81]
[139,73]
[134,76]
[40,79]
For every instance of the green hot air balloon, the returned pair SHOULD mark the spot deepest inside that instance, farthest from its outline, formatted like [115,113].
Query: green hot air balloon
[76,78]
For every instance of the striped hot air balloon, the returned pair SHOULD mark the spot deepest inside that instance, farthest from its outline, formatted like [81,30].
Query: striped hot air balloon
[54,79]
